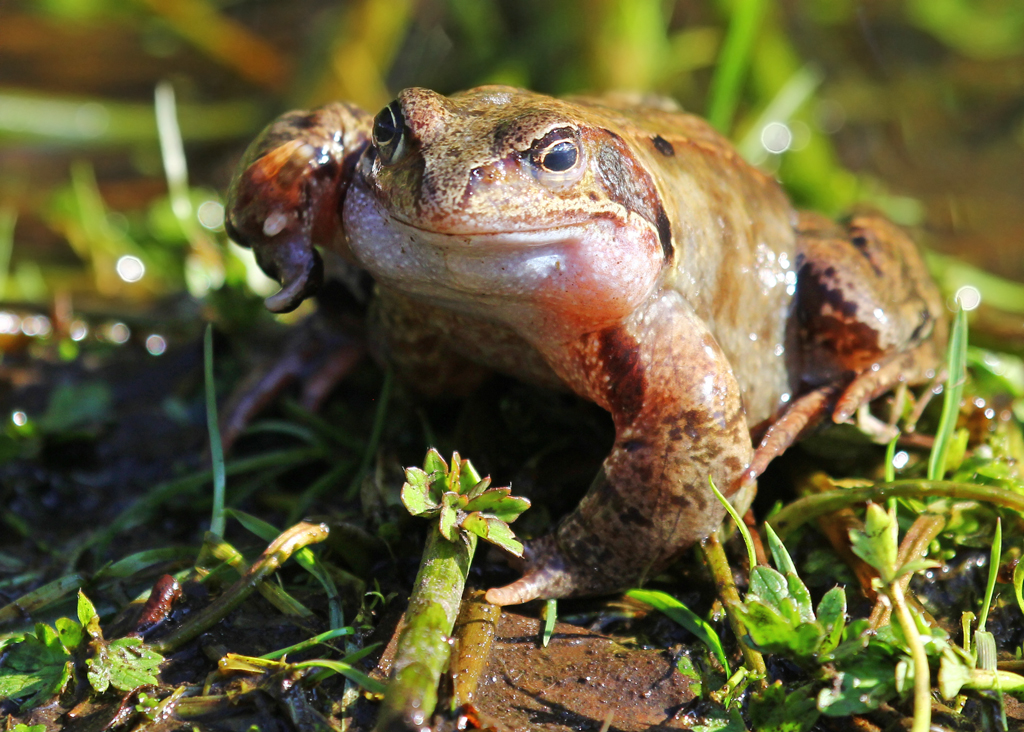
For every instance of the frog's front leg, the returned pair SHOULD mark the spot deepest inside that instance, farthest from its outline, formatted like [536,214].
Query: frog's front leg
[679,421]
[287,195]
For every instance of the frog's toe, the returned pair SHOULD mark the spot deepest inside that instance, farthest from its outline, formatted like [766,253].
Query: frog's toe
[299,269]
[547,576]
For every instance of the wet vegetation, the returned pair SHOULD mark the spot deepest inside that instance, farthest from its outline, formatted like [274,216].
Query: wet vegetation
[146,584]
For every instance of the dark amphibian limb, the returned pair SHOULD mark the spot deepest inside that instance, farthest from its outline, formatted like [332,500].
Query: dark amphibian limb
[865,327]
[286,197]
[679,421]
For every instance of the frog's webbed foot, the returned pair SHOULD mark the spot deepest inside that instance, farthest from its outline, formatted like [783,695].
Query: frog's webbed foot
[915,366]
[545,575]
[286,196]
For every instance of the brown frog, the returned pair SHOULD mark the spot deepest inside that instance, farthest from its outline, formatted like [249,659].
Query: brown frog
[621,250]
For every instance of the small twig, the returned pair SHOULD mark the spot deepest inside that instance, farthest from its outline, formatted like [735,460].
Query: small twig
[270,561]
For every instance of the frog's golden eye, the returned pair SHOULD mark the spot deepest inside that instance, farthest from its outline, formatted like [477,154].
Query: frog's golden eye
[389,134]
[556,155]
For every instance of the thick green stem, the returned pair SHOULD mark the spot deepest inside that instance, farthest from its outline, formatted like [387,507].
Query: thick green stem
[423,645]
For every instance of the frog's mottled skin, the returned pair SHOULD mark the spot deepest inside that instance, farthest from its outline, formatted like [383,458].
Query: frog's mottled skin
[621,250]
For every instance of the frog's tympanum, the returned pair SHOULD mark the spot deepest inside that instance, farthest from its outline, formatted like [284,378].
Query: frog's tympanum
[618,249]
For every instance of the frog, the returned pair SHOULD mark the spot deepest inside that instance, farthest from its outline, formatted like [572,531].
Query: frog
[613,246]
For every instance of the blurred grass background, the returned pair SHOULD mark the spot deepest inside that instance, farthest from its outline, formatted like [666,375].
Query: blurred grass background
[913,106]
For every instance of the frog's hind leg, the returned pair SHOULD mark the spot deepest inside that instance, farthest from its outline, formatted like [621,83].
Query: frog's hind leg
[802,415]
[909,367]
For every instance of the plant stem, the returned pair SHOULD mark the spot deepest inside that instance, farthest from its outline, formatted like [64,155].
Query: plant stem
[808,508]
[423,647]
[922,677]
[715,557]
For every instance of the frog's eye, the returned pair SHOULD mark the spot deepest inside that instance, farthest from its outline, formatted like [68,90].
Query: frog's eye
[389,134]
[556,156]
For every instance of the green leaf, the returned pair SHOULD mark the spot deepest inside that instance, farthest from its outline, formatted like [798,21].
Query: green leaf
[132,663]
[832,616]
[86,611]
[550,617]
[801,596]
[768,585]
[878,543]
[348,671]
[416,493]
[681,614]
[448,524]
[499,534]
[777,710]
[73,406]
[478,488]
[453,481]
[860,687]
[783,562]
[770,630]
[434,463]
[36,668]
[476,523]
[499,504]
[70,633]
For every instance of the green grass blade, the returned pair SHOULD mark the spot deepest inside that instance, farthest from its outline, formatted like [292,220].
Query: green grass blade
[550,616]
[732,64]
[683,615]
[993,573]
[957,367]
[216,451]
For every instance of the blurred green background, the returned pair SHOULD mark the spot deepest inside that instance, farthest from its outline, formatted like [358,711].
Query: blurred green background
[913,106]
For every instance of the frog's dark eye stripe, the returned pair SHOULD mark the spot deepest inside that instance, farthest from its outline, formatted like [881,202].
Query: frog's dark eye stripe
[389,133]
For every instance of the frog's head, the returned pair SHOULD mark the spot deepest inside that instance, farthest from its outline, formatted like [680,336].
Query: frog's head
[501,194]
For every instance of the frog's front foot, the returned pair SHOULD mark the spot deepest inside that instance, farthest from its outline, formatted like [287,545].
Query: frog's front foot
[547,575]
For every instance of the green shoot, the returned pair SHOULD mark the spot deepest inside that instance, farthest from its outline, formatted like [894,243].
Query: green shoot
[690,620]
[550,617]
[957,368]
[741,527]
[212,424]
